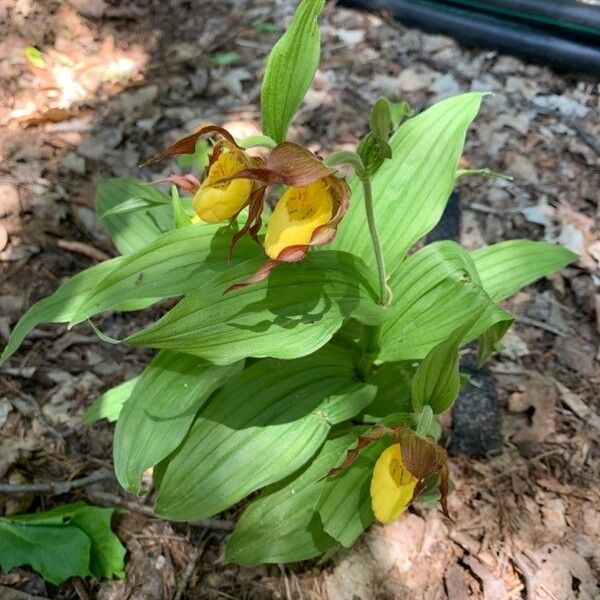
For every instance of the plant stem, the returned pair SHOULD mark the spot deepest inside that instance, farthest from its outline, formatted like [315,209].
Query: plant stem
[257,140]
[384,290]
[355,161]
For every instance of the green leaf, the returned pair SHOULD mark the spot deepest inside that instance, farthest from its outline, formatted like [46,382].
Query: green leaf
[436,382]
[160,410]
[489,340]
[176,263]
[263,425]
[345,503]
[223,59]
[60,306]
[282,525]
[109,405]
[436,290]
[290,69]
[35,57]
[291,314]
[181,218]
[393,381]
[131,231]
[71,540]
[506,267]
[411,189]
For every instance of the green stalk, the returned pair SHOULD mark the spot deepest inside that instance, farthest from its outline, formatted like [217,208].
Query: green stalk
[355,161]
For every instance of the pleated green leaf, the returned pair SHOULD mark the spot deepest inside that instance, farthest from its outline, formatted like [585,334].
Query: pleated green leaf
[436,290]
[132,230]
[436,381]
[283,524]
[506,267]
[109,405]
[290,69]
[411,189]
[263,425]
[177,262]
[345,502]
[60,306]
[291,314]
[160,410]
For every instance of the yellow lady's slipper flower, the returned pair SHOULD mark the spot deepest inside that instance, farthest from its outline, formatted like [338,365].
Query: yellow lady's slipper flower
[216,202]
[222,195]
[392,486]
[298,213]
[401,470]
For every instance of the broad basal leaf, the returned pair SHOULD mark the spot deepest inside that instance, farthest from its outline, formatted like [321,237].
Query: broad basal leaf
[345,502]
[160,410]
[60,306]
[436,290]
[411,189]
[292,313]
[393,381]
[71,540]
[436,381]
[108,406]
[290,69]
[263,425]
[174,264]
[132,230]
[506,267]
[283,524]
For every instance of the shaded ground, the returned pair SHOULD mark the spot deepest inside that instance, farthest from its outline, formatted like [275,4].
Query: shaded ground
[119,81]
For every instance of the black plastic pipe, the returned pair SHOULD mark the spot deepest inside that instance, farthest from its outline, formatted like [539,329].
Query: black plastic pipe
[570,15]
[489,32]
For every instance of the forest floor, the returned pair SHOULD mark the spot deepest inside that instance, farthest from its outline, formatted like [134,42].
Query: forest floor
[118,82]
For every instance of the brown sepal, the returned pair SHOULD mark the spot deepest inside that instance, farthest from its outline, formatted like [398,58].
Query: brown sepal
[187,145]
[287,163]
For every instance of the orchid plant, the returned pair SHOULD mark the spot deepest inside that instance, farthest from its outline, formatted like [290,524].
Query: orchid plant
[310,349]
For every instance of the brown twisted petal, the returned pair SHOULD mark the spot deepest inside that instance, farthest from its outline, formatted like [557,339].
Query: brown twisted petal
[263,272]
[187,145]
[188,183]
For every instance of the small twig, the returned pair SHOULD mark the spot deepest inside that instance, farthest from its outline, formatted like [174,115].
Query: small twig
[55,488]
[189,570]
[541,325]
[83,249]
[575,124]
[578,406]
[113,500]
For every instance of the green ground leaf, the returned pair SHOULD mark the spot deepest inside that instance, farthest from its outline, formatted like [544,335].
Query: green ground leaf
[436,290]
[291,314]
[436,381]
[60,306]
[160,410]
[175,263]
[132,230]
[393,381]
[345,502]
[506,267]
[411,189]
[67,541]
[290,69]
[109,405]
[263,425]
[283,525]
